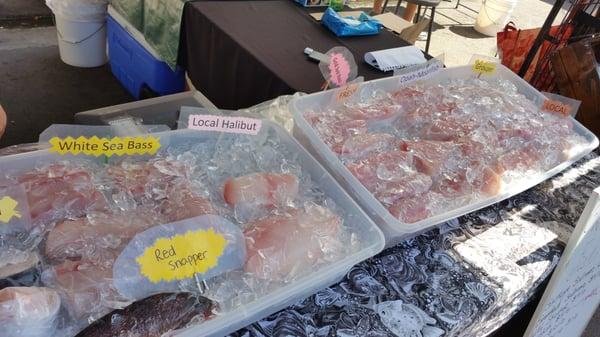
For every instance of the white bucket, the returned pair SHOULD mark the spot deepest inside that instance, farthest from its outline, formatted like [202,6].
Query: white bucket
[81,43]
[493,15]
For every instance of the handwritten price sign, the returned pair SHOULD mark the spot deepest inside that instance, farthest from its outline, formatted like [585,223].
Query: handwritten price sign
[347,92]
[556,107]
[484,67]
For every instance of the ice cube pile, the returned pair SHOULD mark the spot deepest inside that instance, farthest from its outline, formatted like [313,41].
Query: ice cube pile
[425,149]
[56,275]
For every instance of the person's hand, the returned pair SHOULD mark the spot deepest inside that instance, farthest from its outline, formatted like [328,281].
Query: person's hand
[2,121]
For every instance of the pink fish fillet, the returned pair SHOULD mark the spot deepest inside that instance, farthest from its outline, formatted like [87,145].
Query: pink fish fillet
[426,113]
[58,191]
[448,128]
[524,158]
[453,184]
[261,189]
[410,185]
[393,164]
[137,177]
[335,129]
[28,311]
[289,244]
[86,288]
[181,203]
[377,111]
[411,209]
[362,146]
[490,182]
[106,234]
[430,156]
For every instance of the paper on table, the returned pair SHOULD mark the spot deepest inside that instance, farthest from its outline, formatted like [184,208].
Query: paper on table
[395,58]
[392,22]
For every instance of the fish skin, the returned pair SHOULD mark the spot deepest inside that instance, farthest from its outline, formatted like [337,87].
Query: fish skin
[150,317]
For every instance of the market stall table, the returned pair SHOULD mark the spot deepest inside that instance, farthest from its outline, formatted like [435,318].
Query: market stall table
[240,53]
[466,278]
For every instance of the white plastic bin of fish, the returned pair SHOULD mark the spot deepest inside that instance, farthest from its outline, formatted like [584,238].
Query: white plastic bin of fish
[490,137]
[83,258]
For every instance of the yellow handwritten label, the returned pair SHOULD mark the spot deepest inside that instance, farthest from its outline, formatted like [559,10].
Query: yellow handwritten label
[95,146]
[484,67]
[8,209]
[347,92]
[182,256]
[556,107]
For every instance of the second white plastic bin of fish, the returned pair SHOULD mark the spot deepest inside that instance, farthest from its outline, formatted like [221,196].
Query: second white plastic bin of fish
[395,231]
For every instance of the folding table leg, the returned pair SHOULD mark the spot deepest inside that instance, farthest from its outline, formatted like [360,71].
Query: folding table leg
[385,6]
[397,7]
[430,27]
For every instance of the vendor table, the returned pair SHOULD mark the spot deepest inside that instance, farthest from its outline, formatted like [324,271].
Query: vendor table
[466,278]
[240,53]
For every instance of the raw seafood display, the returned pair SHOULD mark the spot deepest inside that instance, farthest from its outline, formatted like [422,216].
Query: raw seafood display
[86,212]
[426,149]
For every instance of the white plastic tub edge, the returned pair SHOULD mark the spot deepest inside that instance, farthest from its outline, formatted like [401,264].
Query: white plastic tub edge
[394,230]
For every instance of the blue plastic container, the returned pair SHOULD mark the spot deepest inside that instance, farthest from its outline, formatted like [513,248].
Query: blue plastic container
[136,68]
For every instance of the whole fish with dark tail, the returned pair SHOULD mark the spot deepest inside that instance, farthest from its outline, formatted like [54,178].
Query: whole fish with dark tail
[150,317]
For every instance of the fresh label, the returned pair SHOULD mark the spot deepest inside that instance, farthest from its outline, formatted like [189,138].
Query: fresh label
[167,257]
[95,146]
[556,107]
[182,256]
[8,209]
[484,67]
[243,125]
[346,92]
[419,72]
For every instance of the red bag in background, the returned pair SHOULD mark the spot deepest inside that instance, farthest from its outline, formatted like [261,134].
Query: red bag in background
[514,45]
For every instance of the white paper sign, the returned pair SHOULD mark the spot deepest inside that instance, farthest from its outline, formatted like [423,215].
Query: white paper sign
[573,293]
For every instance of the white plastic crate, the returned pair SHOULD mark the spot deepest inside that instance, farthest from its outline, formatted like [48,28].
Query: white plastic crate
[394,229]
[371,239]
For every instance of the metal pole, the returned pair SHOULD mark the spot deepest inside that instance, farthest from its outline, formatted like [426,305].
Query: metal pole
[541,36]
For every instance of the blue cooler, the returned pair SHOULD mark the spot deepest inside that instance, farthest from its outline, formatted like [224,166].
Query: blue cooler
[134,63]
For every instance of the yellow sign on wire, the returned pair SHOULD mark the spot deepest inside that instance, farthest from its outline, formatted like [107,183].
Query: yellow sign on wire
[182,256]
[484,67]
[8,209]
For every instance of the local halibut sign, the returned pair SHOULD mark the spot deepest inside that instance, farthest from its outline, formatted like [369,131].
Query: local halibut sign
[573,293]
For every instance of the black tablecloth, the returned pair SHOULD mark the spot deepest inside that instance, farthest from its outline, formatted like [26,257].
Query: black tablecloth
[241,53]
